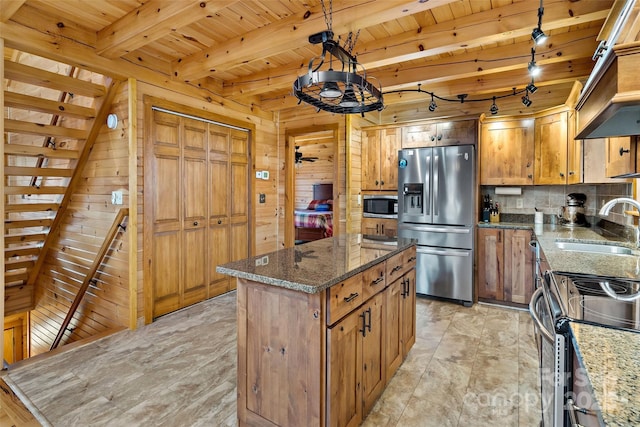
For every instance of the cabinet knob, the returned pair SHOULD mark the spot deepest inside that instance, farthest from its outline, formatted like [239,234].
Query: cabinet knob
[561,174]
[219,221]
[381,182]
[433,138]
[376,182]
[530,176]
[439,137]
[571,173]
[195,222]
[622,151]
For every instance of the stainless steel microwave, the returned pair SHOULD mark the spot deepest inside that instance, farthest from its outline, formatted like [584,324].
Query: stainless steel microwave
[375,206]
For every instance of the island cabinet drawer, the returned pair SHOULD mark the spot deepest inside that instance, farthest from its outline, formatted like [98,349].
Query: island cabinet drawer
[399,264]
[373,280]
[343,298]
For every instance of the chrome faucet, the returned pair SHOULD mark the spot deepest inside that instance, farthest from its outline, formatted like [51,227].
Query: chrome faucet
[606,208]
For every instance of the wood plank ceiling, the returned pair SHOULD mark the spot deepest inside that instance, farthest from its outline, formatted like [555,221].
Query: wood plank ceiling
[252,51]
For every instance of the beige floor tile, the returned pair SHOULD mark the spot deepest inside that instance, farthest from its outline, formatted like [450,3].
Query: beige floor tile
[470,366]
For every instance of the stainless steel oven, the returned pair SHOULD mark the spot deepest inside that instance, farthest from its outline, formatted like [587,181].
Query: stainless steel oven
[559,300]
[587,299]
[379,206]
[546,309]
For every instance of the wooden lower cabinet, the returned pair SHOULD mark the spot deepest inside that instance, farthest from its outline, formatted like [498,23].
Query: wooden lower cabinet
[505,265]
[380,227]
[317,360]
[400,305]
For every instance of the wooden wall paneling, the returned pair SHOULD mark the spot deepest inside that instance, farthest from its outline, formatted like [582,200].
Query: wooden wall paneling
[321,171]
[132,190]
[2,211]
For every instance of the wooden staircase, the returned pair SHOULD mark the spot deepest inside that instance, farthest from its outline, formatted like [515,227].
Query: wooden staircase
[51,121]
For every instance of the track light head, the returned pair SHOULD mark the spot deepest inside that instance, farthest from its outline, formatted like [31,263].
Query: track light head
[494,107]
[531,87]
[432,104]
[534,70]
[525,100]
[538,36]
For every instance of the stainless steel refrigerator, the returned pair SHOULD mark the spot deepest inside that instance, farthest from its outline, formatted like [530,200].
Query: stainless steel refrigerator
[436,206]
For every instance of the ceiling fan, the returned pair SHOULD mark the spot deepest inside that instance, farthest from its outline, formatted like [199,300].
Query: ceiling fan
[300,158]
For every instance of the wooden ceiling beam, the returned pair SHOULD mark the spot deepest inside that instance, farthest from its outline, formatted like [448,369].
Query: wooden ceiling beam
[294,31]
[562,47]
[72,52]
[9,7]
[479,29]
[152,21]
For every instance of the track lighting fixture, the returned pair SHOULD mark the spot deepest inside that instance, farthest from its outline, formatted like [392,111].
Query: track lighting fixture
[531,87]
[534,70]
[494,107]
[525,99]
[537,35]
[432,104]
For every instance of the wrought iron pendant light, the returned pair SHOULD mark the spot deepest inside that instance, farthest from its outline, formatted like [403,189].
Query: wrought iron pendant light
[342,91]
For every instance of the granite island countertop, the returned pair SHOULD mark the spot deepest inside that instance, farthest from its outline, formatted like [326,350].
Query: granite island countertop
[315,266]
[611,359]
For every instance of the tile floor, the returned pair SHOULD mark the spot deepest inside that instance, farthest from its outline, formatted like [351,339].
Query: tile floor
[469,367]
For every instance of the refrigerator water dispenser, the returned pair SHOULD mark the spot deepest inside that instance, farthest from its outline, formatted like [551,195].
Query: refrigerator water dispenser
[413,203]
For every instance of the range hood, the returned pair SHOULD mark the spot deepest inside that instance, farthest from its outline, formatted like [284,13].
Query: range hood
[611,106]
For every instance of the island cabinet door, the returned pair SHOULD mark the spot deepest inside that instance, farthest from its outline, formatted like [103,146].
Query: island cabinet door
[393,343]
[344,371]
[408,312]
[373,356]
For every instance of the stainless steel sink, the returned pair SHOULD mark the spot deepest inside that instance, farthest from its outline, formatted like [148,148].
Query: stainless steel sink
[596,248]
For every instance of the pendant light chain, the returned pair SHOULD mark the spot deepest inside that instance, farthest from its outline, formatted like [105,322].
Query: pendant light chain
[328,18]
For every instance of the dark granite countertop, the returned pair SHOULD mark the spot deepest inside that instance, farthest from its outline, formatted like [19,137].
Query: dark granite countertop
[611,360]
[313,267]
[580,262]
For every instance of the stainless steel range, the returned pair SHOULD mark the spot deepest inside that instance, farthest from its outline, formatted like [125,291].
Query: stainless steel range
[560,297]
[587,299]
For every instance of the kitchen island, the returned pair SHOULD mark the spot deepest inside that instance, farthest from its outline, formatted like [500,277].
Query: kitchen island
[322,328]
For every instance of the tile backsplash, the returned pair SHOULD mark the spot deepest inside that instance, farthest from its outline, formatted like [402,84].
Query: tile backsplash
[549,199]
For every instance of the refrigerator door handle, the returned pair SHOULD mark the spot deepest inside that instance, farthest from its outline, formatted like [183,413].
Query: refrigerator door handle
[427,187]
[444,252]
[465,230]
[436,178]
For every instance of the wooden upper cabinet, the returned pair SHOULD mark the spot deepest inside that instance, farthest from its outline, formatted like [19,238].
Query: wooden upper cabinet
[621,156]
[445,133]
[551,149]
[574,151]
[595,150]
[379,159]
[506,152]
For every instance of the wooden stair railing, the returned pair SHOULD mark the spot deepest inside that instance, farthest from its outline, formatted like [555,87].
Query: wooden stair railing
[111,234]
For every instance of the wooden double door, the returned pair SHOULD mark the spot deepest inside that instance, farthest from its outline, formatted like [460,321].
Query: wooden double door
[196,209]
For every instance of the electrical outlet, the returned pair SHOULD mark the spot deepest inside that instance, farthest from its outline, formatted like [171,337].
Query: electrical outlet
[258,174]
[519,203]
[258,262]
[265,175]
[263,198]
[265,260]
